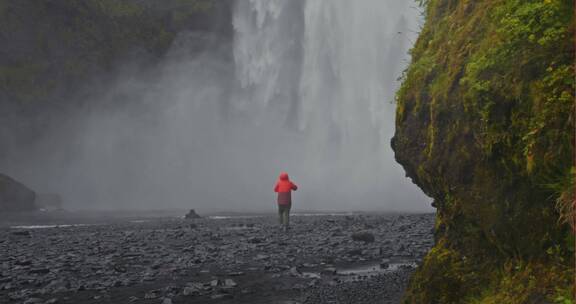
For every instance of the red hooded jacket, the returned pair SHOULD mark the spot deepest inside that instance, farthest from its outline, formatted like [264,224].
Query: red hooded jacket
[284,188]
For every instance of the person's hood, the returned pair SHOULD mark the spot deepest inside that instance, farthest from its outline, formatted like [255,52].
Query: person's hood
[284,176]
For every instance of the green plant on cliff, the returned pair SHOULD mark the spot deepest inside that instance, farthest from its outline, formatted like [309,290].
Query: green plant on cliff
[52,46]
[485,126]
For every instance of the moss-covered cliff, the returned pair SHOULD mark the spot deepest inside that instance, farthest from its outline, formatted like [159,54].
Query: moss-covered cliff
[50,45]
[54,54]
[485,126]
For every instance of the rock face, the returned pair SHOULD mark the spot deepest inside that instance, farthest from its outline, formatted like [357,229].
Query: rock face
[107,32]
[14,196]
[44,74]
[485,126]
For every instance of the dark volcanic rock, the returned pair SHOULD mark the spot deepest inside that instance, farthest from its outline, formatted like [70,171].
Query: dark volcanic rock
[365,237]
[192,215]
[14,196]
[220,261]
[21,233]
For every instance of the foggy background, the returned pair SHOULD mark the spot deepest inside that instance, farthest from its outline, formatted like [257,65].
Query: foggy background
[305,87]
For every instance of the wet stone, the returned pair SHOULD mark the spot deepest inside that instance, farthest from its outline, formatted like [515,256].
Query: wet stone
[95,264]
[167,301]
[221,296]
[40,271]
[21,233]
[230,283]
[365,237]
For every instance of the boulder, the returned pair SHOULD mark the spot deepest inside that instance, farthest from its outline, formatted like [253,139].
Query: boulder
[192,215]
[14,196]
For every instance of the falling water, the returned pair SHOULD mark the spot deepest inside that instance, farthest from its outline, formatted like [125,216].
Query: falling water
[306,86]
[328,68]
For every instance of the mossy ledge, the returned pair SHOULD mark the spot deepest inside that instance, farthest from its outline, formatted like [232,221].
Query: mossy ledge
[485,126]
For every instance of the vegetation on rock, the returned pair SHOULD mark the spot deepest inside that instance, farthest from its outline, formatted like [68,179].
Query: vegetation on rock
[485,126]
[55,45]
[58,56]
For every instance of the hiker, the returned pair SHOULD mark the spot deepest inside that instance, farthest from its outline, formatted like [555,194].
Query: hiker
[284,188]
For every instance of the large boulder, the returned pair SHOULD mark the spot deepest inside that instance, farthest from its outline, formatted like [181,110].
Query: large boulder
[14,196]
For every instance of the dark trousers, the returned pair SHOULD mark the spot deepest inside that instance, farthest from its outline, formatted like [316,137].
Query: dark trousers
[284,213]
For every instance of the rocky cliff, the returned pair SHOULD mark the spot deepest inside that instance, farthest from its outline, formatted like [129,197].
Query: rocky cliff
[14,196]
[485,126]
[55,54]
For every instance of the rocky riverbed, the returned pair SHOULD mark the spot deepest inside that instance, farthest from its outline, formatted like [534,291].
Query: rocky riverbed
[359,258]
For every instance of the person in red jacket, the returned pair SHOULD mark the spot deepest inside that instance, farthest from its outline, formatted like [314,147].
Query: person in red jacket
[284,189]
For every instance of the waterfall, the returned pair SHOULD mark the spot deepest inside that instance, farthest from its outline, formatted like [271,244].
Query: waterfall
[305,86]
[327,69]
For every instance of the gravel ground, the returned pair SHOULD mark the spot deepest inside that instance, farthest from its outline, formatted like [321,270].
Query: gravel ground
[322,259]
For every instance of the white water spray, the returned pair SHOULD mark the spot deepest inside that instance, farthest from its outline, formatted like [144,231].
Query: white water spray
[328,68]
[308,91]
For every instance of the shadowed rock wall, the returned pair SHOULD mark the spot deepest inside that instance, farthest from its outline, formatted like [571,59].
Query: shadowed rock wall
[14,196]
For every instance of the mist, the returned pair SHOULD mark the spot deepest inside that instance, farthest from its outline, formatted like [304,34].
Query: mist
[305,87]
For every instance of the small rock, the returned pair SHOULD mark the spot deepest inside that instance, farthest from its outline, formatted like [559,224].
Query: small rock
[260,257]
[365,237]
[167,301]
[230,283]
[385,264]
[40,271]
[295,272]
[120,268]
[151,295]
[311,275]
[189,291]
[192,289]
[355,252]
[221,296]
[256,240]
[21,233]
[328,271]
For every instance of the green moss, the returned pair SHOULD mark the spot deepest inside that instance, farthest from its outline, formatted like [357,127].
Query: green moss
[23,80]
[117,8]
[490,93]
[3,8]
[68,41]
